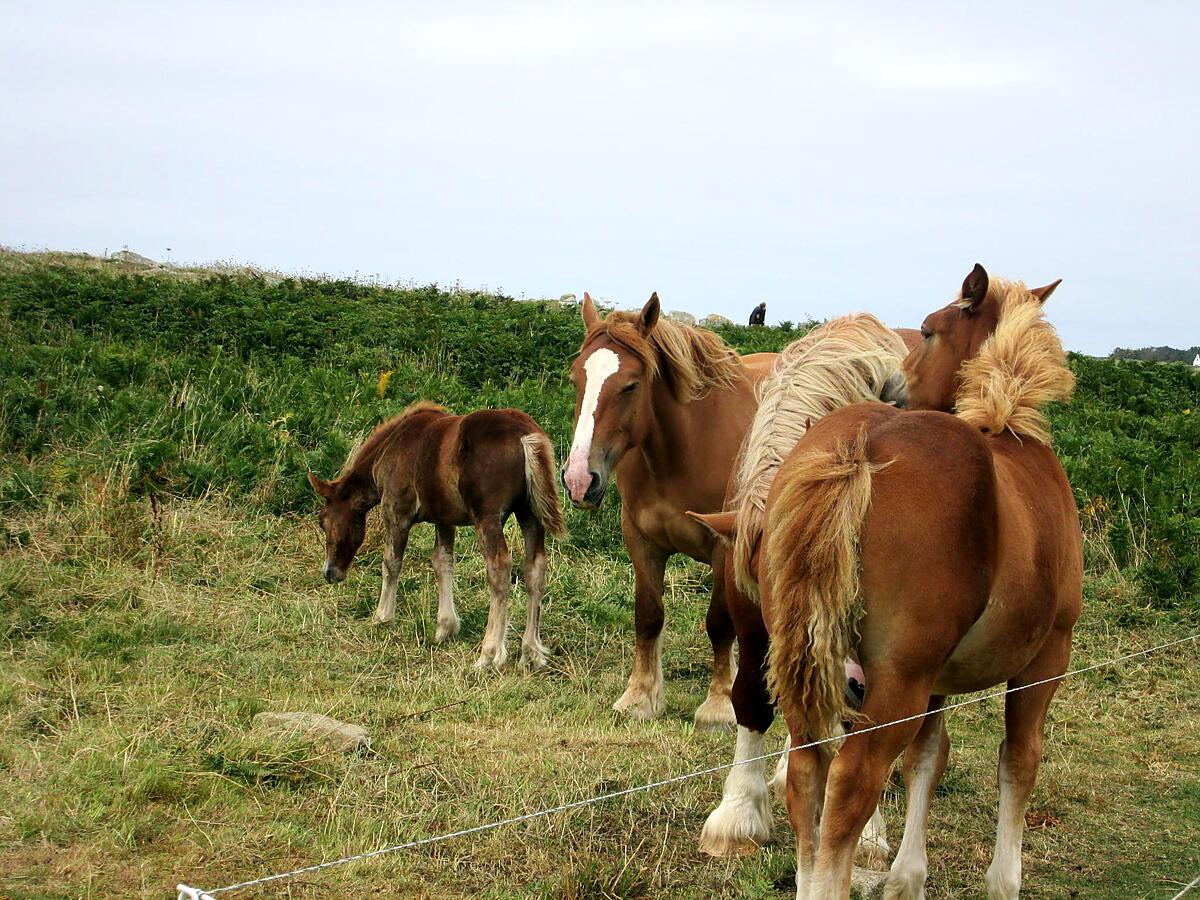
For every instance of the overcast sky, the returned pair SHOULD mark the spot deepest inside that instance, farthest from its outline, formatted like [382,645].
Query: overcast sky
[822,158]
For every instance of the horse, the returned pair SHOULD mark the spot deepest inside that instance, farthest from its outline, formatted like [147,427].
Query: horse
[663,406]
[940,547]
[428,465]
[846,360]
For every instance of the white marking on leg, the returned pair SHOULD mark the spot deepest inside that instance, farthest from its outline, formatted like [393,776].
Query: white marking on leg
[447,615]
[1004,874]
[385,611]
[533,652]
[643,697]
[494,652]
[911,866]
[779,779]
[742,822]
[596,370]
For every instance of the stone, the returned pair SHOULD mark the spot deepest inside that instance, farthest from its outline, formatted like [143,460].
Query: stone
[128,256]
[683,318]
[715,320]
[314,728]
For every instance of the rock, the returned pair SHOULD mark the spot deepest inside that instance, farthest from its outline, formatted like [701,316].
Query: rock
[683,318]
[715,320]
[129,256]
[568,300]
[314,728]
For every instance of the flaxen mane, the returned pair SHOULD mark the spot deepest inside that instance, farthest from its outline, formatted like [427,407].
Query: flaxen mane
[366,451]
[846,360]
[694,361]
[1019,369]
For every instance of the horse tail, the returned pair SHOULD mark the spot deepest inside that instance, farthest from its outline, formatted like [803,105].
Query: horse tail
[539,481]
[812,574]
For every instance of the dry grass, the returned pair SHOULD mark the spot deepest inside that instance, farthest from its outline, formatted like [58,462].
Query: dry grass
[136,653]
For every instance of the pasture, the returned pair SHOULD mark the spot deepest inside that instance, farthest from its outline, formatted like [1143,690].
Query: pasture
[160,584]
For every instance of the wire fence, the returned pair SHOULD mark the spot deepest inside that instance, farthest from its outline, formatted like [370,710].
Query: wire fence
[187,892]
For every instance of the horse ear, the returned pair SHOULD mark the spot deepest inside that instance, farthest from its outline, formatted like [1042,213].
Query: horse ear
[591,318]
[1043,293]
[974,289]
[649,315]
[722,524]
[323,488]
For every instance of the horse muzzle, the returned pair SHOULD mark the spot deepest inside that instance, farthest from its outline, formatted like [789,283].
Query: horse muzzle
[895,390]
[589,497]
[332,573]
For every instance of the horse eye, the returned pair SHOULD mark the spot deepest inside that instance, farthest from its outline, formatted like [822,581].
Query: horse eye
[628,389]
[925,332]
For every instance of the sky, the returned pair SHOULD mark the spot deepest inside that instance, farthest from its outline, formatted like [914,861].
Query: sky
[823,158]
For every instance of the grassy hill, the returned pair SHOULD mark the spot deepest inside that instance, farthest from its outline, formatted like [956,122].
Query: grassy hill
[159,585]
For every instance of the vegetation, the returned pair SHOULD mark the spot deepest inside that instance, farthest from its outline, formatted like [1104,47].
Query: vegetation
[159,586]
[1158,354]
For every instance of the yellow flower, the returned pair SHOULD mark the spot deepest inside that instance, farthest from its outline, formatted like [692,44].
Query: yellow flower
[381,386]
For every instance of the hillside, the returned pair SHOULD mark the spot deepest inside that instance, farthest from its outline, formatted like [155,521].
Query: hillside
[187,381]
[160,585]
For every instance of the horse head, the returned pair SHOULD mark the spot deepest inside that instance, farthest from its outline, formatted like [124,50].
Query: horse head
[343,520]
[612,376]
[932,372]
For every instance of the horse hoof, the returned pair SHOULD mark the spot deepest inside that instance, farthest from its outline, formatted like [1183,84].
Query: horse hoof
[738,827]
[866,882]
[534,658]
[376,620]
[446,630]
[873,850]
[715,714]
[491,661]
[639,707]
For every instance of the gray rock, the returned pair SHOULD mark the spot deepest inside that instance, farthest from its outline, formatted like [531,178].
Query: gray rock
[129,256]
[715,320]
[314,728]
[683,318]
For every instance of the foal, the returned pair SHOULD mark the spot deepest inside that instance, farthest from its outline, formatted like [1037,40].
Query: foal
[426,465]
[943,553]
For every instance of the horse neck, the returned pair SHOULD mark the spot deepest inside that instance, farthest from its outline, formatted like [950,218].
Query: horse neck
[678,429]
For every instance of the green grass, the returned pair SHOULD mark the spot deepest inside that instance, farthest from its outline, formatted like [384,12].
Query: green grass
[159,586]
[132,671]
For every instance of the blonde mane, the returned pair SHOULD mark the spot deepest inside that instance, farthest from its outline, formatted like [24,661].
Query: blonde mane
[846,360]
[367,449]
[694,361]
[1019,369]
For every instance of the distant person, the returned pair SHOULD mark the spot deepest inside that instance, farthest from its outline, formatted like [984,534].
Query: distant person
[759,315]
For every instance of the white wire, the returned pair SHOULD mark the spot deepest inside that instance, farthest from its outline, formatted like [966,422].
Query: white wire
[1195,881]
[191,893]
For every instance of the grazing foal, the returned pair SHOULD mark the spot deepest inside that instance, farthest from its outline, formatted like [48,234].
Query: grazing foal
[426,465]
[941,550]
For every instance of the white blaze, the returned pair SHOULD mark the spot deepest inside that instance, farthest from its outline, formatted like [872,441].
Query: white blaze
[601,364]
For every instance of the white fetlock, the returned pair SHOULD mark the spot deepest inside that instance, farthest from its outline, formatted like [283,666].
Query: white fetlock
[492,658]
[778,781]
[715,713]
[639,705]
[873,850]
[446,629]
[534,656]
[739,826]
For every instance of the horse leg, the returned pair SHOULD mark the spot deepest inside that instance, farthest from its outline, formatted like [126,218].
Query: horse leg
[857,776]
[1020,756]
[807,772]
[393,559]
[643,697]
[533,651]
[490,532]
[924,763]
[741,823]
[717,709]
[443,567]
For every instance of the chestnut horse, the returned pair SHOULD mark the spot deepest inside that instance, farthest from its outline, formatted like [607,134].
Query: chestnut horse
[939,548]
[847,360]
[664,406]
[426,465]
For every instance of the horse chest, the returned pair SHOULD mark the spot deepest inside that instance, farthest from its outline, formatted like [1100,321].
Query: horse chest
[668,528]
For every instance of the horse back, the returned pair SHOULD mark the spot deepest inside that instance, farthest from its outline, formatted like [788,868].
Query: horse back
[491,460]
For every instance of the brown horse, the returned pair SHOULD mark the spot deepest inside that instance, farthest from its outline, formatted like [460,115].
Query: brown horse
[426,465]
[847,360]
[664,406]
[941,551]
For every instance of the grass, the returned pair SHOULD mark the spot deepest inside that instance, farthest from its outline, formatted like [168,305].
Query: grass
[138,644]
